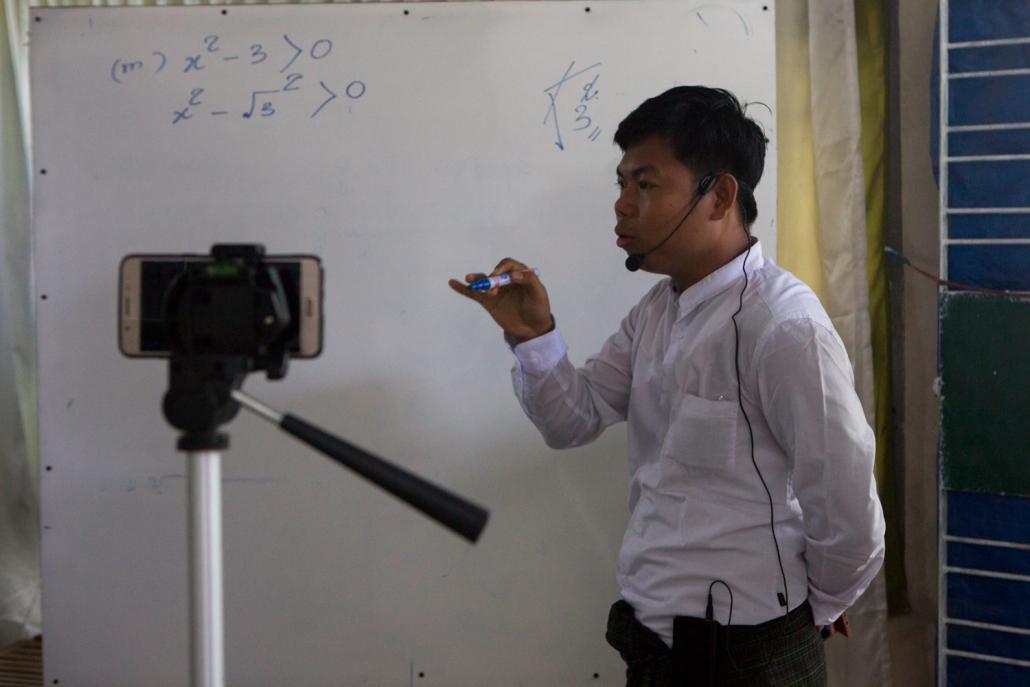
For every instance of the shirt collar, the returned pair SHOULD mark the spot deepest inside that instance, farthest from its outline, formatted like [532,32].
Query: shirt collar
[718,281]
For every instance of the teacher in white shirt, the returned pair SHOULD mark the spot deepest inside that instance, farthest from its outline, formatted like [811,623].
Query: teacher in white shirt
[754,519]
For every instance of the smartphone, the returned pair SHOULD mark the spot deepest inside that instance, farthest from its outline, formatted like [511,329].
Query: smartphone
[144,279]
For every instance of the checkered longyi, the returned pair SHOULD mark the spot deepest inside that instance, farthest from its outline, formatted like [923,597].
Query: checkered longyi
[783,651]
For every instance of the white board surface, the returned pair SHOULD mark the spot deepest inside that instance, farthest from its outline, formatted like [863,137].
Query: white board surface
[404,144]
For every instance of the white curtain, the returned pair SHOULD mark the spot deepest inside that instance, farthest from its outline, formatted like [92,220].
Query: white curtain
[821,232]
[19,482]
[840,196]
[822,237]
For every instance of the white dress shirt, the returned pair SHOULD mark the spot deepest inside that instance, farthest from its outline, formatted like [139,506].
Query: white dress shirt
[698,510]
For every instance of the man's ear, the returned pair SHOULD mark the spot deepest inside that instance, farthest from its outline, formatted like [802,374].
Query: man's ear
[724,193]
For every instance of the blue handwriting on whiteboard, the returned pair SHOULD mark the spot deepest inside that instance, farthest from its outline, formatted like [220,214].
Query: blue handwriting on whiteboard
[262,102]
[583,119]
[266,106]
[332,96]
[192,64]
[325,49]
[121,68]
[257,54]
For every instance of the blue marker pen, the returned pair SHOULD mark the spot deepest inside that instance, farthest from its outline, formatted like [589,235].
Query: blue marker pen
[494,282]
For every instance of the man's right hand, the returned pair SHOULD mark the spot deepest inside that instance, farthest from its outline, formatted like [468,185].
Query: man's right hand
[840,626]
[522,308]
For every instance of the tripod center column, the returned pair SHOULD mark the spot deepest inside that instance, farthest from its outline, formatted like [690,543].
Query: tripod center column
[207,659]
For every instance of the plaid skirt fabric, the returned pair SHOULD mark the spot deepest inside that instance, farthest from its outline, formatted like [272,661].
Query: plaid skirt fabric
[783,651]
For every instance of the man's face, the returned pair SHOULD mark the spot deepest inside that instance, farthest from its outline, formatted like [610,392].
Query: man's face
[655,192]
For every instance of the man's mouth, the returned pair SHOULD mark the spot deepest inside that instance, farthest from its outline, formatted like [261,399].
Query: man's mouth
[622,241]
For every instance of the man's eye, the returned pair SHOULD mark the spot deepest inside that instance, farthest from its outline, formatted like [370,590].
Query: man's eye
[644,185]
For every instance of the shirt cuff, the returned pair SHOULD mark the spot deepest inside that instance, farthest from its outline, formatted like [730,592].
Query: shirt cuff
[825,609]
[540,354]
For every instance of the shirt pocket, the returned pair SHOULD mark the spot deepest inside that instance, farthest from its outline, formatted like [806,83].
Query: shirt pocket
[702,434]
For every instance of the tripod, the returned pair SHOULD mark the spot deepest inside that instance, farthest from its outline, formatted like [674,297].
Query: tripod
[224,324]
[205,521]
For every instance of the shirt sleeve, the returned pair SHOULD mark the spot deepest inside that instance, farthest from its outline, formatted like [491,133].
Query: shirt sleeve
[806,387]
[570,406]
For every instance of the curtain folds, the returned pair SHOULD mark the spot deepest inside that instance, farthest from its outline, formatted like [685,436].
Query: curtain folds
[19,469]
[827,237]
[871,34]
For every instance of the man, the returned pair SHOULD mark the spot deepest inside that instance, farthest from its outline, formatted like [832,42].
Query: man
[754,516]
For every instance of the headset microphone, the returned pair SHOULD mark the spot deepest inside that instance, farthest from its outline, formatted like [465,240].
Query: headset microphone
[634,261]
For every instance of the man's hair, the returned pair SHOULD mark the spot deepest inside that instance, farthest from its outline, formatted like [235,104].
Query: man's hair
[709,133]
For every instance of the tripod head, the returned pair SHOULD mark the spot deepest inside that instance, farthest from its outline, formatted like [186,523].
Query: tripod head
[225,319]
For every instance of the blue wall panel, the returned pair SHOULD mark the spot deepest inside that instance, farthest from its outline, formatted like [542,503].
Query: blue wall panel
[991,142]
[1005,225]
[989,184]
[992,100]
[989,516]
[985,557]
[991,58]
[989,381]
[963,672]
[990,266]
[990,642]
[988,600]
[976,20]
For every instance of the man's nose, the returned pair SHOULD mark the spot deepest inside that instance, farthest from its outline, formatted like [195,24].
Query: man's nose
[624,206]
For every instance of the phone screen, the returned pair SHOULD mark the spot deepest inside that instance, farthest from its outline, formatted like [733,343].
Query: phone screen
[157,275]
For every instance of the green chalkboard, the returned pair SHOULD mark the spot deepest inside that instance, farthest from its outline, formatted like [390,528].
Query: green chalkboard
[985,386]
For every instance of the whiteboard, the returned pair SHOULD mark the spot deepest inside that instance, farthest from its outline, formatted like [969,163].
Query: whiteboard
[405,144]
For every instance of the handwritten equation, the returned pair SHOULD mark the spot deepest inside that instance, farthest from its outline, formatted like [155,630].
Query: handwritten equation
[580,113]
[294,56]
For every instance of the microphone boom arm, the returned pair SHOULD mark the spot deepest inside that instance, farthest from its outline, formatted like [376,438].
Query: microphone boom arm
[634,261]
